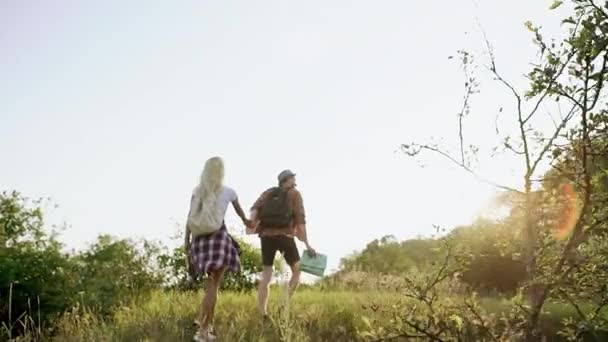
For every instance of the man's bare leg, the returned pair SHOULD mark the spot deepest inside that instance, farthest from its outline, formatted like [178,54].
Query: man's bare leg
[295,278]
[264,289]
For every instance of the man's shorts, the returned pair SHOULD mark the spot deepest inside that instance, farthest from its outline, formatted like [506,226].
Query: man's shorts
[284,244]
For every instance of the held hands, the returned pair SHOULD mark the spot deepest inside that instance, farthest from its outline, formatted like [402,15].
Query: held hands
[247,222]
[251,226]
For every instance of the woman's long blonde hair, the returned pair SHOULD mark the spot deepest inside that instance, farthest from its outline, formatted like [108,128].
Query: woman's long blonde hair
[210,187]
[212,177]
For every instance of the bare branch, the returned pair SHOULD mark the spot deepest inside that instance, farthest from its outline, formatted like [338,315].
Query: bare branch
[553,119]
[508,85]
[470,89]
[571,98]
[599,308]
[481,320]
[512,149]
[425,332]
[465,105]
[493,69]
[400,336]
[405,148]
[549,144]
[496,121]
[518,98]
[578,309]
[441,273]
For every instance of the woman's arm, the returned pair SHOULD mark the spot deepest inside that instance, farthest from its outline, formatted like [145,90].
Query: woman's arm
[187,239]
[187,233]
[187,247]
[241,213]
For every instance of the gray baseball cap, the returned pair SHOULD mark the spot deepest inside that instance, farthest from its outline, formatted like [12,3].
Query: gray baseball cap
[285,175]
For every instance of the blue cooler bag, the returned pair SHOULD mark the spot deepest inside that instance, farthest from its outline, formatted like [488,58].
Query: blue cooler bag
[315,266]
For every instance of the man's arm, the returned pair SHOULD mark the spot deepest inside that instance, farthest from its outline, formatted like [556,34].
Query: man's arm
[255,209]
[300,221]
[302,235]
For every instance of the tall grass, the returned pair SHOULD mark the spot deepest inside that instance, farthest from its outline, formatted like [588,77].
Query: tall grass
[311,315]
[168,316]
[27,324]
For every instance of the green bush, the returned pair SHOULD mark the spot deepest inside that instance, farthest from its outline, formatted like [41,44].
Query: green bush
[44,282]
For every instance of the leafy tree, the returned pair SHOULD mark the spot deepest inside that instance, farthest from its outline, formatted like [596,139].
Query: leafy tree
[490,246]
[36,278]
[114,271]
[571,72]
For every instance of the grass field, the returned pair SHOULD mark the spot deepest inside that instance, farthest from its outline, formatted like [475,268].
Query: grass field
[312,315]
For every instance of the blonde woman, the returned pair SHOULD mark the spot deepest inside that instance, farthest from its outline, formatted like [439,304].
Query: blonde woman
[212,253]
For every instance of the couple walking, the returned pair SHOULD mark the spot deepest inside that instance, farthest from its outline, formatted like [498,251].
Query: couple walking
[277,217]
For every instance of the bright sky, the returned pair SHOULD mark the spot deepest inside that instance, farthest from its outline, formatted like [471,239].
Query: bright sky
[112,107]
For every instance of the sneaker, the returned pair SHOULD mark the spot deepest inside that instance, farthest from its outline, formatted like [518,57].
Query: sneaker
[202,336]
[197,323]
[266,321]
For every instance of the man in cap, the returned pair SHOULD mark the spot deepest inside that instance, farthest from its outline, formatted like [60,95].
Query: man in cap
[278,217]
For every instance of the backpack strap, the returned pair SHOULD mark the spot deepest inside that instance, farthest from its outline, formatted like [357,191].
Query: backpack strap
[273,192]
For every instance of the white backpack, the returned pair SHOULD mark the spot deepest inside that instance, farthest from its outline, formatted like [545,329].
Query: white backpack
[203,219]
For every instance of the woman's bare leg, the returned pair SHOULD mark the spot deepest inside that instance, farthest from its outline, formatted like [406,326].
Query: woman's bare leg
[210,298]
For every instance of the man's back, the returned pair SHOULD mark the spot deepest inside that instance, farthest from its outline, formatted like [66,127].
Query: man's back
[298,216]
